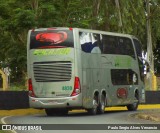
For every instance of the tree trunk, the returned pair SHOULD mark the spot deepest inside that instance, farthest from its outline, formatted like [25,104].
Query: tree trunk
[95,12]
[119,15]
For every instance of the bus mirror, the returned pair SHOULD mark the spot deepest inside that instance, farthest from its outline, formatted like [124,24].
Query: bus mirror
[145,62]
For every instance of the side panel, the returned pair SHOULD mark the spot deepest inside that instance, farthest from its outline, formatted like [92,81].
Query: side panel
[92,70]
[92,77]
[104,56]
[119,71]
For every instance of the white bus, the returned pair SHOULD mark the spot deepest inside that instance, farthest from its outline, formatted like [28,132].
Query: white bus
[73,68]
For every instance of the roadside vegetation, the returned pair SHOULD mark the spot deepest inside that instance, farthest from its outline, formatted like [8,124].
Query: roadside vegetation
[17,112]
[18,16]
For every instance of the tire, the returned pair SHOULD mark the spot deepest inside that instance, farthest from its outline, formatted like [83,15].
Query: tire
[94,109]
[134,106]
[50,112]
[63,112]
[102,104]
[56,112]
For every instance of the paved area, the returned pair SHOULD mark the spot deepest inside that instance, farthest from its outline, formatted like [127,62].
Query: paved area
[150,112]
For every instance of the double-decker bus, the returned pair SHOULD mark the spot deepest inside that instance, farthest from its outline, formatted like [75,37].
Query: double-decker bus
[74,68]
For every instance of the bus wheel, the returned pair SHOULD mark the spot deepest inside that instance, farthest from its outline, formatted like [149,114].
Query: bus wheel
[93,110]
[134,106]
[63,112]
[102,104]
[50,112]
[56,112]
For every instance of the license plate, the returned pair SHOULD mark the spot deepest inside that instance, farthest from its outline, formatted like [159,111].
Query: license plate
[52,101]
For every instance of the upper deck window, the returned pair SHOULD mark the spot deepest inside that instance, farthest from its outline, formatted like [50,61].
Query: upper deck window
[117,45]
[90,42]
[138,47]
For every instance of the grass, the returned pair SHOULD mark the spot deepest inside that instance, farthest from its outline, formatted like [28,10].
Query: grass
[17,87]
[19,112]
[5,131]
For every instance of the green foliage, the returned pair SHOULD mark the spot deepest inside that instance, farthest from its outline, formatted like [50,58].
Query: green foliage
[157,59]
[18,16]
[17,87]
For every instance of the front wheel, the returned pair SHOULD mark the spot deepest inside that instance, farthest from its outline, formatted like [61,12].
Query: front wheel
[134,106]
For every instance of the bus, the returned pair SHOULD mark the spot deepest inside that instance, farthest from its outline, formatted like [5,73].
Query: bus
[75,68]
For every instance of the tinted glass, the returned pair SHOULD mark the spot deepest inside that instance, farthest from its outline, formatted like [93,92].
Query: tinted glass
[139,53]
[123,77]
[126,46]
[110,44]
[117,45]
[138,47]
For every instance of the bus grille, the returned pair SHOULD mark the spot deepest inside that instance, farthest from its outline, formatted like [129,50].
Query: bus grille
[55,71]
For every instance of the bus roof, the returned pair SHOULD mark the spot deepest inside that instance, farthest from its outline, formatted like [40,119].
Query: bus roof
[87,30]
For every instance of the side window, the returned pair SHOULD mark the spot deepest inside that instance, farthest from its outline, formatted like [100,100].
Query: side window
[117,45]
[126,47]
[124,77]
[138,47]
[109,44]
[139,54]
[90,42]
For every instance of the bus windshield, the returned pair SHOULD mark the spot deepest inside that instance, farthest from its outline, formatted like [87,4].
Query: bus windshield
[51,39]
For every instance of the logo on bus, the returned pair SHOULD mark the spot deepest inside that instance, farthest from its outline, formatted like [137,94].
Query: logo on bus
[53,38]
[64,51]
[122,93]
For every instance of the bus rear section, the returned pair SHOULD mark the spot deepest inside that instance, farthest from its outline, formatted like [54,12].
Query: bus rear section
[53,84]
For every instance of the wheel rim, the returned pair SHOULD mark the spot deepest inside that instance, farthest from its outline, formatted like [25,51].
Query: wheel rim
[95,103]
[103,103]
[135,104]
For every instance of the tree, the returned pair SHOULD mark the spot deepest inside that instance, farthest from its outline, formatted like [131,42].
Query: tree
[157,58]
[18,16]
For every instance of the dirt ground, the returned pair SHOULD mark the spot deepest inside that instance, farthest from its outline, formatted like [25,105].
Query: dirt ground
[153,115]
